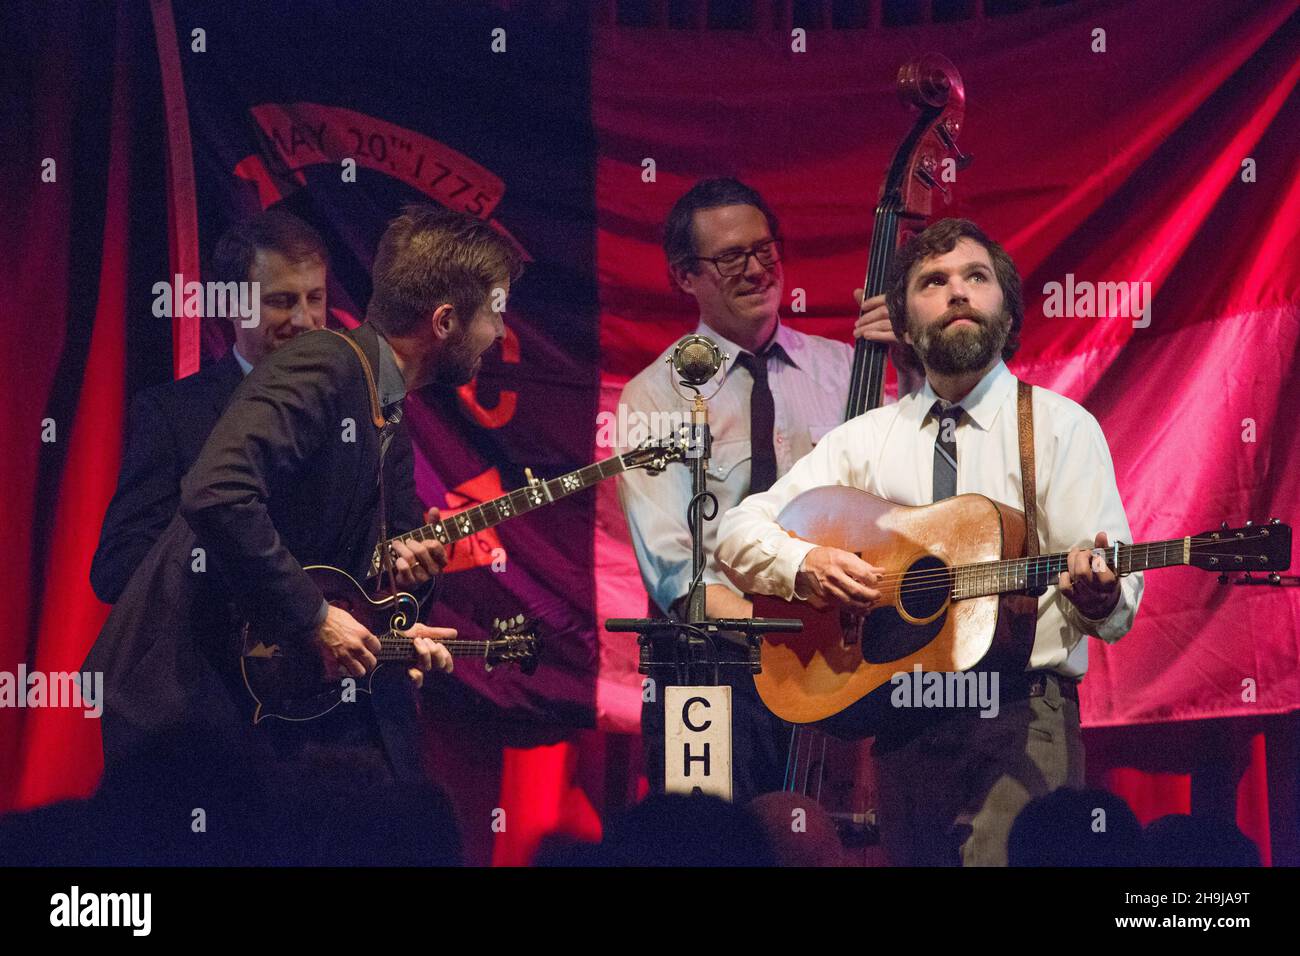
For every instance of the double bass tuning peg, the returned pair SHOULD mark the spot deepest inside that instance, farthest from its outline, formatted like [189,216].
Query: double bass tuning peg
[927,177]
[950,144]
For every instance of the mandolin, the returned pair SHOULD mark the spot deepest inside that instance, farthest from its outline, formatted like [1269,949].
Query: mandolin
[287,680]
[948,568]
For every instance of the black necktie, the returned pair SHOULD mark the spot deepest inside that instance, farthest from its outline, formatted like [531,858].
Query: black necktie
[762,423]
[945,450]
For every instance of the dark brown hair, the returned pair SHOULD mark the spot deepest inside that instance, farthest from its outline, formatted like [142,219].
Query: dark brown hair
[430,256]
[679,231]
[275,230]
[941,238]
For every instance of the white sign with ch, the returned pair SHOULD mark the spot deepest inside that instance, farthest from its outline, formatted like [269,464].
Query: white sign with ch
[697,744]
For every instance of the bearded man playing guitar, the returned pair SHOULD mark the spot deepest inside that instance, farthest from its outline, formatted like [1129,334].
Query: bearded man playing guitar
[952,779]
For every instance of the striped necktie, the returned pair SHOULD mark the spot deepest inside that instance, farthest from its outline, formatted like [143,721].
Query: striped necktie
[945,450]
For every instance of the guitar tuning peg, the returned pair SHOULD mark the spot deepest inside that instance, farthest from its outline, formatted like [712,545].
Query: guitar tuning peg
[1250,524]
[1224,526]
[1275,578]
[1274,520]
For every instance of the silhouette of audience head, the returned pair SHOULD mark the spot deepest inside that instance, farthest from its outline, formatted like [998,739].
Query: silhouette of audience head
[1181,840]
[1070,827]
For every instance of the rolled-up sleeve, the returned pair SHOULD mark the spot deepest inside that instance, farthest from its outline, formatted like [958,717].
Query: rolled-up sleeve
[1082,498]
[757,554]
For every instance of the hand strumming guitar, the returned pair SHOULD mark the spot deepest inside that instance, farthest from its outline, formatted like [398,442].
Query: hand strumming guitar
[829,576]
[347,649]
[1090,585]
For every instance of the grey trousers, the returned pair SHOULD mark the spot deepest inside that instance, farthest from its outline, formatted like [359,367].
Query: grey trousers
[951,788]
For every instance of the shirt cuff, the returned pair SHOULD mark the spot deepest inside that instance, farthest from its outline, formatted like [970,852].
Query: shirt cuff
[1102,627]
[322,613]
[786,567]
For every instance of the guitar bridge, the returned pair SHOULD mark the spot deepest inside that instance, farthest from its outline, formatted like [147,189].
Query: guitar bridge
[851,629]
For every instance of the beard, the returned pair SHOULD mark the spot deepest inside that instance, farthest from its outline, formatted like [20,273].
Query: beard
[952,350]
[458,364]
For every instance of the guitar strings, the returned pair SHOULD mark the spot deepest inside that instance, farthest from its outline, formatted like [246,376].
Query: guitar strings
[920,581]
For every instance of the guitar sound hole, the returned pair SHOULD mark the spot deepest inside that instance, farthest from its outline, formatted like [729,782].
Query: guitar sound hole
[925,587]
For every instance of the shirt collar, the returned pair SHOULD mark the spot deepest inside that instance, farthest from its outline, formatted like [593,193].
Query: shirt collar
[983,401]
[245,365]
[391,386]
[780,344]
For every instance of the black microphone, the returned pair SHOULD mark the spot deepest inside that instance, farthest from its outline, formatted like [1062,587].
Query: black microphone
[696,359]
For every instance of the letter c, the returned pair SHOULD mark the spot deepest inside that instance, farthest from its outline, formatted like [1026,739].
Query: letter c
[686,714]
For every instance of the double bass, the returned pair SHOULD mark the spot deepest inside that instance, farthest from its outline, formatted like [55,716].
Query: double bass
[838,773]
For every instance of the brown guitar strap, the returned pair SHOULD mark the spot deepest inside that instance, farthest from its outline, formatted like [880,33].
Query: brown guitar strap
[1025,424]
[377,419]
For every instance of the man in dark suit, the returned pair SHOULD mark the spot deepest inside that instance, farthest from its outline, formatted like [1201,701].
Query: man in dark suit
[169,423]
[288,478]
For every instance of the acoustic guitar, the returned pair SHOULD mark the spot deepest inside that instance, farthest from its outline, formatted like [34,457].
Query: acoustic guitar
[955,595]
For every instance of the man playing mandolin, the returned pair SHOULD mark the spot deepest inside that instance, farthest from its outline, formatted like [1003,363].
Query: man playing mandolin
[298,472]
[951,782]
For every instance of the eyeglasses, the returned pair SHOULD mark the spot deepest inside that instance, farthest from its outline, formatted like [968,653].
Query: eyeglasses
[767,253]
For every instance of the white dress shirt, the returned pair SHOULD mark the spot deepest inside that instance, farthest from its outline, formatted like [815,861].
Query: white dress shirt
[889,452]
[809,389]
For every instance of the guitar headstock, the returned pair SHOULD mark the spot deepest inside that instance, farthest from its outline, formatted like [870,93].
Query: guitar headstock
[514,641]
[656,454]
[1252,547]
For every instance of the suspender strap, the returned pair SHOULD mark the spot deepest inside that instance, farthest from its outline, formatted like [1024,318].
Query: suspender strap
[1025,424]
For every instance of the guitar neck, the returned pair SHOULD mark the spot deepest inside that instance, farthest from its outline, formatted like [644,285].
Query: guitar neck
[1031,574]
[520,501]
[395,647]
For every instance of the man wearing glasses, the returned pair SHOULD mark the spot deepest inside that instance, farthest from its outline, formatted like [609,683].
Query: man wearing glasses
[782,391]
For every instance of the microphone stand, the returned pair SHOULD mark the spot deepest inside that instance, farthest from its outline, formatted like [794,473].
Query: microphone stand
[689,647]
[698,451]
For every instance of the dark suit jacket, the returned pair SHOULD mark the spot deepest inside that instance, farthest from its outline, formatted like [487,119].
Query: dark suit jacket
[287,478]
[168,425]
